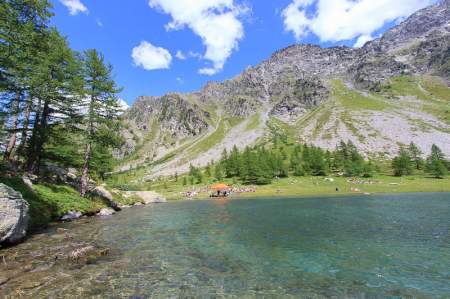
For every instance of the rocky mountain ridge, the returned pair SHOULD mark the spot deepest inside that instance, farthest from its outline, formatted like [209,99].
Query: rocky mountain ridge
[290,87]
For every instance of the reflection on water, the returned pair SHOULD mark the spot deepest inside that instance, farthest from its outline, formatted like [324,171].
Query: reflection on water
[359,247]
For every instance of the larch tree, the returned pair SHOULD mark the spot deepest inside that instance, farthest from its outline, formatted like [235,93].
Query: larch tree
[21,21]
[101,118]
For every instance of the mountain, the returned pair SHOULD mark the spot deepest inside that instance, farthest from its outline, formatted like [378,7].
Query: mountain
[390,92]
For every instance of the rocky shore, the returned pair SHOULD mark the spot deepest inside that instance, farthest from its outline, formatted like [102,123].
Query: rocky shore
[15,208]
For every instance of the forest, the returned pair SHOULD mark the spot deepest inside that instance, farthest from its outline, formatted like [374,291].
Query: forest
[57,105]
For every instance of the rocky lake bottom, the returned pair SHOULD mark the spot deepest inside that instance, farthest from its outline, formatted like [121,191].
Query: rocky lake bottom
[379,246]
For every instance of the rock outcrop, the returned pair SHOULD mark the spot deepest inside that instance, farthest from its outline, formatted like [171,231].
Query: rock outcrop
[13,215]
[148,197]
[103,193]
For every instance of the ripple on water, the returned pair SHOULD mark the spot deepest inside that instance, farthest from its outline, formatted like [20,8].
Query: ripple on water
[358,247]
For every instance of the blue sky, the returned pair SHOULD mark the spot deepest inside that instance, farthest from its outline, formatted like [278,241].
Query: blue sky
[217,37]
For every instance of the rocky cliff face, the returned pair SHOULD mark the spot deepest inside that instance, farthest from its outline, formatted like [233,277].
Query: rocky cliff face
[293,82]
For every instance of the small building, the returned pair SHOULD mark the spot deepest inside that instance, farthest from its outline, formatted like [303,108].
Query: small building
[220,190]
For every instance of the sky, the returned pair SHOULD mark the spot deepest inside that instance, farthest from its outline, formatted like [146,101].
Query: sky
[161,46]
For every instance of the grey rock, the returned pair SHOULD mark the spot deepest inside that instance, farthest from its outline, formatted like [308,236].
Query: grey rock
[13,215]
[105,194]
[106,212]
[148,197]
[71,215]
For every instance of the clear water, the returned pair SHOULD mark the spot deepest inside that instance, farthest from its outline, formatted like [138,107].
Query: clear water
[389,246]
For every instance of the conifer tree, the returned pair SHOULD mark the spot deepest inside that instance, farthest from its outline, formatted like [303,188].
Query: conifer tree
[21,23]
[101,120]
[437,165]
[416,155]
[54,82]
[402,164]
[218,171]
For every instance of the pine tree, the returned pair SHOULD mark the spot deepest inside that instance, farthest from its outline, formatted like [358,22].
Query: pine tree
[54,84]
[299,170]
[315,161]
[218,171]
[208,170]
[402,164]
[416,155]
[102,108]
[437,165]
[21,24]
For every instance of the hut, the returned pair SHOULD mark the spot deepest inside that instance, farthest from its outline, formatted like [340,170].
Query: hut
[220,190]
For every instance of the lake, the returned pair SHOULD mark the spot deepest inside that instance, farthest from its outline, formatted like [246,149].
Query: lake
[332,247]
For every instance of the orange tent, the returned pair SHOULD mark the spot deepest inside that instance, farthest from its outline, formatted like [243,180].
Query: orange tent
[220,187]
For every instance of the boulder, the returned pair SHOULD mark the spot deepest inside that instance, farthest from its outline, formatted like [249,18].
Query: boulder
[13,215]
[72,174]
[106,212]
[105,194]
[149,197]
[71,215]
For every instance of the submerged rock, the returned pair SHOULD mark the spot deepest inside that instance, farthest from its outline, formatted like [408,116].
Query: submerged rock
[13,215]
[106,212]
[71,215]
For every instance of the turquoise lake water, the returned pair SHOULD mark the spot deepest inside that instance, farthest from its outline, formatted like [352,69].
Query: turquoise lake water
[386,246]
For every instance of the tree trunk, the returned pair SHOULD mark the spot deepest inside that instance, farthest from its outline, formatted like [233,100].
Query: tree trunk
[34,137]
[34,163]
[15,121]
[88,149]
[26,123]
[85,172]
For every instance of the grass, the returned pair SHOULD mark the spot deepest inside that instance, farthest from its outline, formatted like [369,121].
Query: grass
[354,100]
[434,94]
[50,202]
[215,138]
[321,121]
[282,128]
[349,123]
[314,186]
[209,141]
[254,122]
[436,87]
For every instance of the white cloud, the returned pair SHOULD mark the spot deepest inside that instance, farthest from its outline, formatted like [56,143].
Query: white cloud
[151,57]
[337,20]
[207,71]
[215,21]
[180,55]
[74,6]
[195,55]
[362,40]
[180,80]
[123,105]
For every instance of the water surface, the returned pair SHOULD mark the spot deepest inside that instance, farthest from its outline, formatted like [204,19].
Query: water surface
[395,246]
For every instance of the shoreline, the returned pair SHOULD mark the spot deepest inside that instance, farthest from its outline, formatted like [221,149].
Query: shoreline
[317,186]
[302,196]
